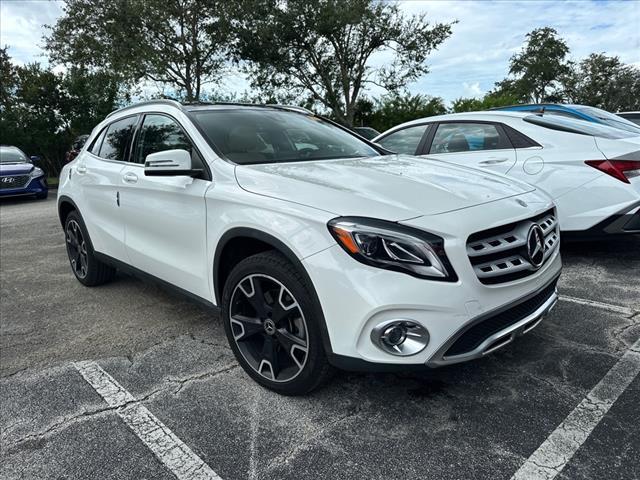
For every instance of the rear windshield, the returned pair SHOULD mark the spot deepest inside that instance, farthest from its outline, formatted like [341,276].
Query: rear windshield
[10,155]
[249,136]
[609,118]
[580,127]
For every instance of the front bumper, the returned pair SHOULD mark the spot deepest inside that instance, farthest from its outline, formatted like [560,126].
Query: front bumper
[496,330]
[35,186]
[356,298]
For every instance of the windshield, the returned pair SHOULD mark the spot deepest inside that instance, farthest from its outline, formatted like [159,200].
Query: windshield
[609,118]
[581,127]
[248,136]
[12,155]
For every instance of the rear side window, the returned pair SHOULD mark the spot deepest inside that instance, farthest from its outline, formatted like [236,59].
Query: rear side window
[160,133]
[465,137]
[97,143]
[116,140]
[404,141]
[577,126]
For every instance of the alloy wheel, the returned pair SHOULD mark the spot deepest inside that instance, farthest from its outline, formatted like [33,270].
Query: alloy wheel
[269,327]
[77,249]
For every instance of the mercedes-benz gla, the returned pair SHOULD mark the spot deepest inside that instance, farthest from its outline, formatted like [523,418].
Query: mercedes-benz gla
[319,248]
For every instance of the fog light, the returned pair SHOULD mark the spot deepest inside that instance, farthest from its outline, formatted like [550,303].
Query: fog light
[394,335]
[400,337]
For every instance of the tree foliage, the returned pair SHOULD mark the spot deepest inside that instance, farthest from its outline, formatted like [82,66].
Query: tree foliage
[604,82]
[182,43]
[396,108]
[41,111]
[538,69]
[491,100]
[325,49]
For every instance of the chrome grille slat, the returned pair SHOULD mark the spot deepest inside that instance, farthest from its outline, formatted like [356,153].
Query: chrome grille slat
[505,250]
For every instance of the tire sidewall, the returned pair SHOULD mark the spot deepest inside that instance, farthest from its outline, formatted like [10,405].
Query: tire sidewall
[91,260]
[280,269]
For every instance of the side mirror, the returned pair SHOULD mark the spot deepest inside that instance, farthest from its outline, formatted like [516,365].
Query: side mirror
[170,163]
[35,159]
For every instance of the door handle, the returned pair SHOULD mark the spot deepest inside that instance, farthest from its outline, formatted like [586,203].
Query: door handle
[130,177]
[493,161]
[81,169]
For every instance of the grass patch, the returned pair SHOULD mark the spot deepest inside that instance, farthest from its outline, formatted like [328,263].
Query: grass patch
[52,182]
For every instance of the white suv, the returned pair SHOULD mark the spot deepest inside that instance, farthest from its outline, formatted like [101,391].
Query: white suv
[320,248]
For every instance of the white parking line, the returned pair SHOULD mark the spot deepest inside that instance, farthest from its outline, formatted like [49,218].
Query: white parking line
[626,311]
[556,451]
[169,449]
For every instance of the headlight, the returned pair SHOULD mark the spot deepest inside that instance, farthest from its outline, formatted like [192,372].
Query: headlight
[392,246]
[36,172]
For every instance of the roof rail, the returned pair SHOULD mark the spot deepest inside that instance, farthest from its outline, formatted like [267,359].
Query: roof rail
[160,101]
[175,103]
[293,108]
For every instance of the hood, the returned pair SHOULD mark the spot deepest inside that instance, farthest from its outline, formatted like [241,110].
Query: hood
[15,168]
[391,187]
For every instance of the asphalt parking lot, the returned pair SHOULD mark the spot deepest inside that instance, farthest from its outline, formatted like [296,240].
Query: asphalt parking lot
[481,420]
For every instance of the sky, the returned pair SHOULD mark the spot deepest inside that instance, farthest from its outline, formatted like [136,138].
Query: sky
[467,64]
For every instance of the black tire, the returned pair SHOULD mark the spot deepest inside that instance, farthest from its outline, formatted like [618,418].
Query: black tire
[42,196]
[85,266]
[304,311]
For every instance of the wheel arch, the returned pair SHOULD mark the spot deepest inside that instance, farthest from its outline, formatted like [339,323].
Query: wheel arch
[241,242]
[65,207]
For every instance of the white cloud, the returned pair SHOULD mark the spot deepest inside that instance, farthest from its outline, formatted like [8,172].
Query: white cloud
[22,27]
[466,64]
[472,90]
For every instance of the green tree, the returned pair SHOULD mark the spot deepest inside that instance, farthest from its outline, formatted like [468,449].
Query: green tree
[89,98]
[41,112]
[490,100]
[538,69]
[396,108]
[604,82]
[323,48]
[181,43]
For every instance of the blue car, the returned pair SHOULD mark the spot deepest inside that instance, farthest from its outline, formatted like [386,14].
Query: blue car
[581,112]
[19,176]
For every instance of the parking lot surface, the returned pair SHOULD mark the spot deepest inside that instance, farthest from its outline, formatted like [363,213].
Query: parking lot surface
[129,381]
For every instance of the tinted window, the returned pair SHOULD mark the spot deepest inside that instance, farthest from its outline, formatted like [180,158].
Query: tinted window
[577,126]
[404,141]
[117,138]
[160,133]
[465,137]
[97,143]
[247,136]
[609,118]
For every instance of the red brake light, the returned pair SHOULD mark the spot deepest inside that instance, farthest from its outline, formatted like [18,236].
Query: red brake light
[623,170]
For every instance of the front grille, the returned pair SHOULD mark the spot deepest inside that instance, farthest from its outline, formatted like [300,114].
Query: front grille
[13,181]
[479,332]
[501,254]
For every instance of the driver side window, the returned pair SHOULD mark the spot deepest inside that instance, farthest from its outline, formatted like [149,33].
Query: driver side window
[159,133]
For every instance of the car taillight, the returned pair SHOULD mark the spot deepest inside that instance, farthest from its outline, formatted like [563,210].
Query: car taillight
[623,170]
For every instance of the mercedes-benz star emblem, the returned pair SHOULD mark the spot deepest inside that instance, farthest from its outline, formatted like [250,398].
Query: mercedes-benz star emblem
[269,327]
[535,246]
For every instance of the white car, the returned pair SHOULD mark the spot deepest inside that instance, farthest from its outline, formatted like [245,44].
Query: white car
[319,249]
[591,171]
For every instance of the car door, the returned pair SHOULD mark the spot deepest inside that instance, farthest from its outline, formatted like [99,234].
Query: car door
[482,145]
[98,174]
[165,217]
